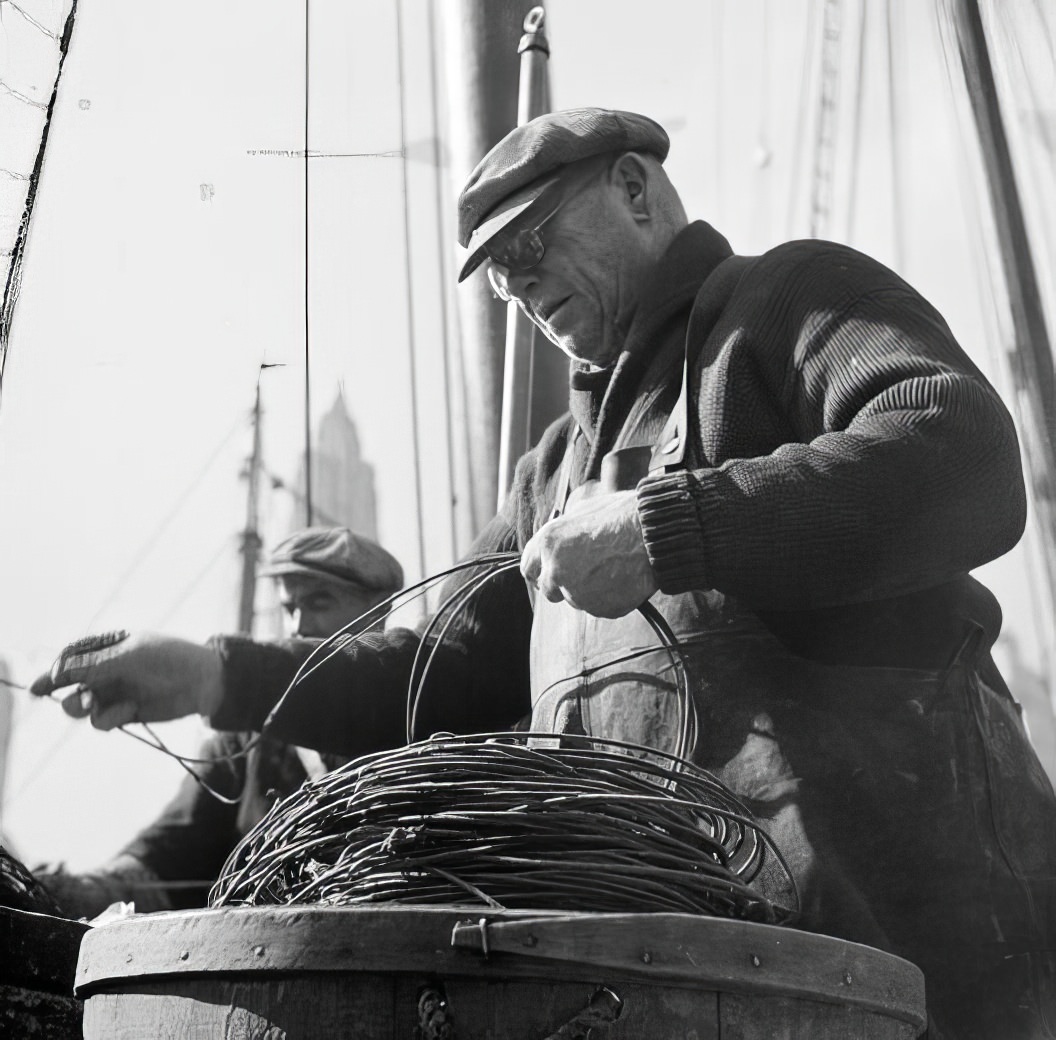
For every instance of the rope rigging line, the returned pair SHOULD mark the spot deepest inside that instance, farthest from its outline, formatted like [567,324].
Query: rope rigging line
[718,102]
[307,277]
[440,200]
[17,253]
[152,540]
[29,18]
[824,169]
[181,598]
[856,128]
[799,140]
[412,351]
[894,142]
[762,215]
[24,98]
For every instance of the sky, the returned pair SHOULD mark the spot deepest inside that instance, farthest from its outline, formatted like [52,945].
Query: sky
[166,263]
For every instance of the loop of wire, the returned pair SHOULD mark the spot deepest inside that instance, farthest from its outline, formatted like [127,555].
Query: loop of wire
[512,820]
[345,637]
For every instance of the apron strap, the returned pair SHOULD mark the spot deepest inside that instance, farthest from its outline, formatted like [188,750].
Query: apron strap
[564,480]
[670,450]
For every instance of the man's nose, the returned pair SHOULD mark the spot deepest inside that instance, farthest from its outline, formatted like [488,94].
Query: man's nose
[518,283]
[300,622]
[291,623]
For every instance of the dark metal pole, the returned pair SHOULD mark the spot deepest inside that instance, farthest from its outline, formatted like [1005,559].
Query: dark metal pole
[1031,359]
[515,427]
[480,39]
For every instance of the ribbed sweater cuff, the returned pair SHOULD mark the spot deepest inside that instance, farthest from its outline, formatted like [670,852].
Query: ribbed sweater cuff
[671,529]
[255,675]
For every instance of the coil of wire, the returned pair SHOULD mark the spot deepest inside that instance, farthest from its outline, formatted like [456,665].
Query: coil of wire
[512,820]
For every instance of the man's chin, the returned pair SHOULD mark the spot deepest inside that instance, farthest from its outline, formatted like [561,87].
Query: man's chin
[577,348]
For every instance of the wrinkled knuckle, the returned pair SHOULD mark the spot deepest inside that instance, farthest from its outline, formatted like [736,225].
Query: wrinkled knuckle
[549,538]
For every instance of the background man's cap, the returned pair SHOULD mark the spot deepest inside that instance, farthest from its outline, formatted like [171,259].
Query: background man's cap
[516,170]
[336,552]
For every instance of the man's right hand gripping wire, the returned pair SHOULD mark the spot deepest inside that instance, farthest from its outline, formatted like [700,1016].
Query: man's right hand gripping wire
[119,678]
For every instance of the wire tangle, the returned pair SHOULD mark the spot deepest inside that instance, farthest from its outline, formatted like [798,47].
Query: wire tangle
[346,636]
[513,820]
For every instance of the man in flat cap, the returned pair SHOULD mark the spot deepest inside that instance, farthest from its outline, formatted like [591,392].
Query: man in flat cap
[327,578]
[792,459]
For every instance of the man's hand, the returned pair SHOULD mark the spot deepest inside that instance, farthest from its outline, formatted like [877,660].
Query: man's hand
[593,557]
[140,678]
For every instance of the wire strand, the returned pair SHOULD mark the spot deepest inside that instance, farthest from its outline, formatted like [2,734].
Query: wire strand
[456,602]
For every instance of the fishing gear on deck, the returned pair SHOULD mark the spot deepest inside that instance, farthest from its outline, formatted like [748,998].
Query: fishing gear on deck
[511,820]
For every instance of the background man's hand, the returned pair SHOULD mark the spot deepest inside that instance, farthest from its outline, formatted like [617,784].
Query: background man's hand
[593,557]
[138,678]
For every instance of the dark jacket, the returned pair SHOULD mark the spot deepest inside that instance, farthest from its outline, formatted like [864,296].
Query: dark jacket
[194,834]
[848,467]
[856,466]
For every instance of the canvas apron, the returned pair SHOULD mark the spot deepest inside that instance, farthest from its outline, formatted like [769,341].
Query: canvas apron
[912,811]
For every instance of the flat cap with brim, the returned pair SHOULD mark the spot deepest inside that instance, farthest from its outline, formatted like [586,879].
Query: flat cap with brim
[336,553]
[527,160]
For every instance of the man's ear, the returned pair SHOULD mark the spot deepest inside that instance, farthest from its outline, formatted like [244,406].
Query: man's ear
[631,174]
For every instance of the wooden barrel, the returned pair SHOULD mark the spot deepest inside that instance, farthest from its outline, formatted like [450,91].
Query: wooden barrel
[39,956]
[422,973]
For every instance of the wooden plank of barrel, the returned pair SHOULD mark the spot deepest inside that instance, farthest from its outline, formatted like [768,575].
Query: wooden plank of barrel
[321,972]
[292,973]
[39,956]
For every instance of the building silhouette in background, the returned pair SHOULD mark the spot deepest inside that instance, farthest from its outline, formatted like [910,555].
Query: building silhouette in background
[343,492]
[343,495]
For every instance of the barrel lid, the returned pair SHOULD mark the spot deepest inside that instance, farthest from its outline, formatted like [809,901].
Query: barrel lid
[672,949]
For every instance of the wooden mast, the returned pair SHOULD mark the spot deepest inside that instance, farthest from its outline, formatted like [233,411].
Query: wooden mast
[251,542]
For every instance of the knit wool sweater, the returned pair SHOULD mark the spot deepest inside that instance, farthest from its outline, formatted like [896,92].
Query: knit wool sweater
[849,466]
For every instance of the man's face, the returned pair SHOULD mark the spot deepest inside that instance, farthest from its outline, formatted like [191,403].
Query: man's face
[589,275]
[317,607]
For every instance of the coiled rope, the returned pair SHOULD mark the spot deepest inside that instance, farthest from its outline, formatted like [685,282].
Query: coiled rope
[512,820]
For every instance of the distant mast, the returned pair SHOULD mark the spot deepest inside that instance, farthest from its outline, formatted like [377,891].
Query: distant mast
[251,542]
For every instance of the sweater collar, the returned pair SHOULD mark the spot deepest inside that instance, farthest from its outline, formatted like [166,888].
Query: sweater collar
[600,396]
